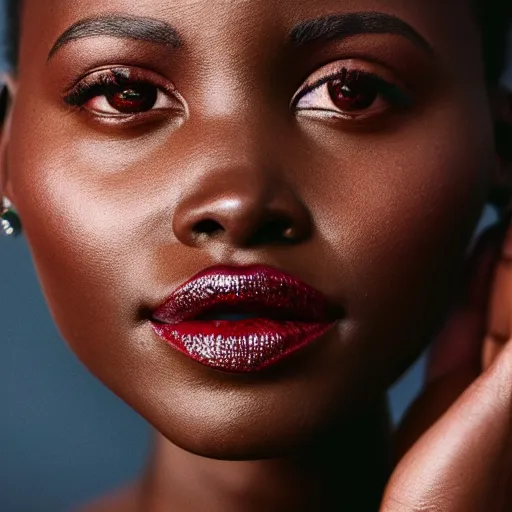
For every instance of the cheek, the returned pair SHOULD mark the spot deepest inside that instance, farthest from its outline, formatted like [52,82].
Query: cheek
[396,218]
[394,214]
[86,223]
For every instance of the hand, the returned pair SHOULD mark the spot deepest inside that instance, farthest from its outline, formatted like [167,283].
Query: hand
[456,440]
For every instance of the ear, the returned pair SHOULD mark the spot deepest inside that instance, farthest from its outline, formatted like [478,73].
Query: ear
[8,88]
[501,193]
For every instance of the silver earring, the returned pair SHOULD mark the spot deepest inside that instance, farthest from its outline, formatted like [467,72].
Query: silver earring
[10,224]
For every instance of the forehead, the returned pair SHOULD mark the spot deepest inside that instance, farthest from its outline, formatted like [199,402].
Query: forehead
[215,26]
[233,16]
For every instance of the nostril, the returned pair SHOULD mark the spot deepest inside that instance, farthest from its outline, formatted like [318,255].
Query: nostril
[283,227]
[207,227]
[277,230]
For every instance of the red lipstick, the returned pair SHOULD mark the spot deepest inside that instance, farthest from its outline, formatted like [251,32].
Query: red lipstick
[242,319]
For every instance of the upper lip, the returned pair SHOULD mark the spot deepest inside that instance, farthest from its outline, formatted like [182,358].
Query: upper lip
[251,289]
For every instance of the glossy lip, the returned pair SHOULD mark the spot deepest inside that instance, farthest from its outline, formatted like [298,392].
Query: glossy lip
[288,314]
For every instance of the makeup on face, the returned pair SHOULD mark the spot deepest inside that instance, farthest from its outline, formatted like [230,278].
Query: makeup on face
[243,319]
[172,146]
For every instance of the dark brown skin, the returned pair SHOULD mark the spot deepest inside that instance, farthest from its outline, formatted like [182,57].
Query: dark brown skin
[381,209]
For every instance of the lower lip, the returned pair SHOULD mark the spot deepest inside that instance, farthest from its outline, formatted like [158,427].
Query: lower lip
[241,346]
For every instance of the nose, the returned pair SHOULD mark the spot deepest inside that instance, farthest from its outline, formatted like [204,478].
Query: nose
[240,202]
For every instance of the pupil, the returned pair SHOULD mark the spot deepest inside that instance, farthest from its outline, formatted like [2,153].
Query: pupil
[352,92]
[140,98]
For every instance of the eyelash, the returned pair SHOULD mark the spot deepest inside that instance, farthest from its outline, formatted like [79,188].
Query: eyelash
[390,92]
[102,84]
[112,81]
[85,91]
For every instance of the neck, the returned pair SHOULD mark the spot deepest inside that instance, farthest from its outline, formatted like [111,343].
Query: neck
[346,465]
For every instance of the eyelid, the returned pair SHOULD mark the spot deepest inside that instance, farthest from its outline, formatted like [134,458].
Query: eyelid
[333,69]
[315,85]
[111,111]
[129,123]
[389,87]
[129,73]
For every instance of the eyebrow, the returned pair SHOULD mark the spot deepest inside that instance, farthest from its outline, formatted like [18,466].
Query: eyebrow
[339,26]
[121,26]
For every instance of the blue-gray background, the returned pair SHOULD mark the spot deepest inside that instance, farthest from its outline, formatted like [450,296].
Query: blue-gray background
[64,437]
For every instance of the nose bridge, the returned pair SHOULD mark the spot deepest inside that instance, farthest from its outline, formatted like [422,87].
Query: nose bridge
[232,154]
[235,189]
[240,137]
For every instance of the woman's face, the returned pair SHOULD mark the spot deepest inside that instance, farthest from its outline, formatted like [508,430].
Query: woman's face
[157,139]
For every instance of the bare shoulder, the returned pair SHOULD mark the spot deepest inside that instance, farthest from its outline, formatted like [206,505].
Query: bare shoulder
[122,500]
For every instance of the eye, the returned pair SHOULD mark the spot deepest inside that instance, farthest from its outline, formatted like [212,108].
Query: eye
[130,99]
[122,92]
[348,92]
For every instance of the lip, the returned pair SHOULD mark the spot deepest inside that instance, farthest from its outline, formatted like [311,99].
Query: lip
[287,315]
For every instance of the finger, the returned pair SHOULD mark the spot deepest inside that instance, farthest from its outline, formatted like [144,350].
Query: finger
[455,358]
[463,462]
[499,326]
[458,346]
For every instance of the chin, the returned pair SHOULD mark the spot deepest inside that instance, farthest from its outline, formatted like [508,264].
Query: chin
[238,441]
[270,414]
